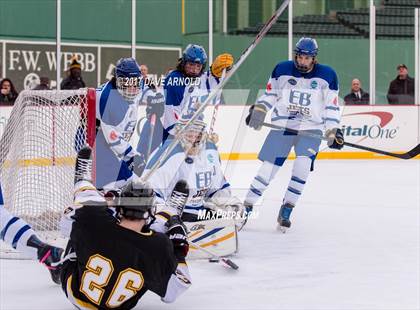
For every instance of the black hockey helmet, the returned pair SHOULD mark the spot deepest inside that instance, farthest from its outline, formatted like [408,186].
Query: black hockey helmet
[136,201]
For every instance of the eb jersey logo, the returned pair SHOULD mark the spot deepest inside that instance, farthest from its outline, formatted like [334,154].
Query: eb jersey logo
[268,86]
[203,179]
[314,84]
[292,82]
[300,98]
[210,158]
[298,103]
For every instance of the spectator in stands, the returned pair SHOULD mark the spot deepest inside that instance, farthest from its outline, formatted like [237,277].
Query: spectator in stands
[8,93]
[44,84]
[401,90]
[74,80]
[357,94]
[144,70]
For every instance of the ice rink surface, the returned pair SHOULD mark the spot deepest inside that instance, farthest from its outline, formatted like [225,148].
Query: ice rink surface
[354,244]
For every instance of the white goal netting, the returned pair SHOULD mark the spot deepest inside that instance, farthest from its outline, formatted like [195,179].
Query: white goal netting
[38,152]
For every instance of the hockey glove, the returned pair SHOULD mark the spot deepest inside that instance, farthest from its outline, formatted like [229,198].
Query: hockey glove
[177,233]
[155,105]
[137,164]
[335,138]
[256,116]
[223,61]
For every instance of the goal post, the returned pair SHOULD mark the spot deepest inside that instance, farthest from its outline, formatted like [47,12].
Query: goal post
[38,151]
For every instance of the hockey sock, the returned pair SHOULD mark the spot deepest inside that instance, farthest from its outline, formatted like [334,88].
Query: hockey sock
[16,232]
[300,173]
[261,181]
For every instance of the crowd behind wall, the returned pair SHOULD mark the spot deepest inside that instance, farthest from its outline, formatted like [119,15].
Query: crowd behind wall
[350,57]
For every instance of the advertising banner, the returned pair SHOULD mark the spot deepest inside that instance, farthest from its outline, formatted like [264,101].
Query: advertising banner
[25,62]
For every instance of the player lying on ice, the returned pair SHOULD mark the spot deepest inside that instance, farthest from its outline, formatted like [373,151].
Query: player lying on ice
[19,235]
[303,95]
[111,262]
[183,86]
[191,182]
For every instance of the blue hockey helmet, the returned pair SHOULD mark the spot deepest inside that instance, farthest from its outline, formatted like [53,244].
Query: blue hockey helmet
[308,47]
[127,74]
[195,54]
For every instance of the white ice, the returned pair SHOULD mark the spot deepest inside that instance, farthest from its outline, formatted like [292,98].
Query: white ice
[354,244]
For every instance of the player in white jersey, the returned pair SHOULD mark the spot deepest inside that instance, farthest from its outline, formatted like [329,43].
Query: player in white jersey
[303,95]
[18,234]
[188,85]
[116,112]
[196,161]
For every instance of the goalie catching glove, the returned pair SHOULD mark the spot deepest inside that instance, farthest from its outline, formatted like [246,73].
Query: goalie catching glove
[222,62]
[335,138]
[256,116]
[177,233]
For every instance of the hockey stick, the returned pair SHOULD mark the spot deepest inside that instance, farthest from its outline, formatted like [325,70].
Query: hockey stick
[216,90]
[216,258]
[152,131]
[408,155]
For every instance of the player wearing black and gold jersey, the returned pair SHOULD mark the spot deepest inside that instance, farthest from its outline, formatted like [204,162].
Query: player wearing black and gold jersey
[112,261]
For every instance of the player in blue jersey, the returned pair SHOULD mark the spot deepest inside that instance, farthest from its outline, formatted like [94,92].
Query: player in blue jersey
[303,95]
[116,112]
[18,234]
[188,85]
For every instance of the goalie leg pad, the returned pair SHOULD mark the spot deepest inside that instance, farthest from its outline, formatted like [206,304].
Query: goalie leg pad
[219,236]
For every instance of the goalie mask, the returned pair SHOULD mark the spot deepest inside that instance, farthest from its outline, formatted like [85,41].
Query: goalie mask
[194,137]
[127,78]
[136,202]
[306,51]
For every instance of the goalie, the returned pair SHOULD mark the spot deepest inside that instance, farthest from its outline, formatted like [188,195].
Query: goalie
[196,161]
[111,262]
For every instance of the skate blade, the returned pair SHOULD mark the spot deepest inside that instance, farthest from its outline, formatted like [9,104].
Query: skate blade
[282,229]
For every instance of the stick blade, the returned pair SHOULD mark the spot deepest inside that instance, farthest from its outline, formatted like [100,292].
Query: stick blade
[230,264]
[412,153]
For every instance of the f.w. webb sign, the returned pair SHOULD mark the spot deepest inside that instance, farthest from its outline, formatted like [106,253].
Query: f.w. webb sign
[24,62]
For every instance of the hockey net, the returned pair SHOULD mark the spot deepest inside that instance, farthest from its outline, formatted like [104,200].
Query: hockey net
[38,153]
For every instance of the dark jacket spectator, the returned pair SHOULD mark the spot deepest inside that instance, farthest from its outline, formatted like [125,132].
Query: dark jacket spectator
[401,90]
[74,80]
[8,93]
[44,84]
[357,95]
